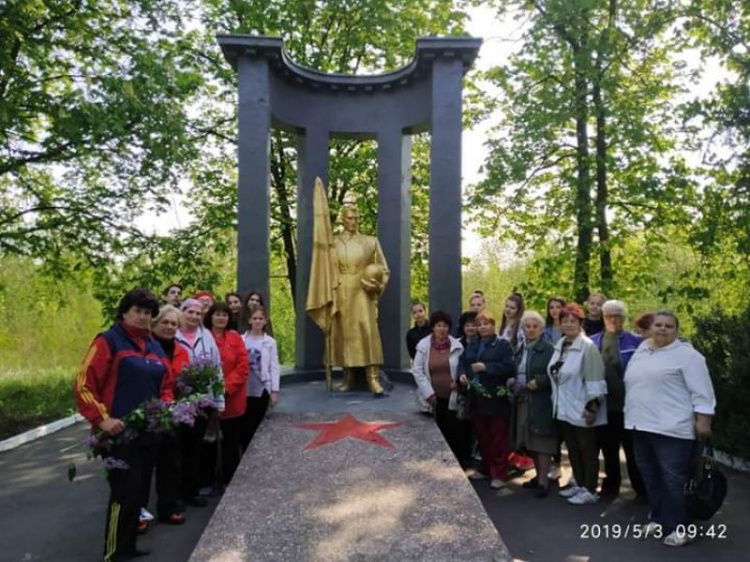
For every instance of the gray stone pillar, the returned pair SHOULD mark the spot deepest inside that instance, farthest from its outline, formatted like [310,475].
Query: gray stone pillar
[312,155]
[253,190]
[394,233]
[445,187]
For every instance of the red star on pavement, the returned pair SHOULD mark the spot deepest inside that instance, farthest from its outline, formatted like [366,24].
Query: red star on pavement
[347,427]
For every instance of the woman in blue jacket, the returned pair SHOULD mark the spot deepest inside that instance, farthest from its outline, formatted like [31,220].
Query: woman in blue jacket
[487,365]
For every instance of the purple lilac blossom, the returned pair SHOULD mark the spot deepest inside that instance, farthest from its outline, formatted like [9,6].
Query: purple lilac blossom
[184,413]
[206,401]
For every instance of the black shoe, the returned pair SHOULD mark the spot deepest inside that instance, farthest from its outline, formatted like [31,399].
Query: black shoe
[609,493]
[541,491]
[531,484]
[197,501]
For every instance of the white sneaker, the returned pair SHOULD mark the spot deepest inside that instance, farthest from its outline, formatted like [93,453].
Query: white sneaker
[675,539]
[569,492]
[145,515]
[554,472]
[583,497]
[478,476]
[497,484]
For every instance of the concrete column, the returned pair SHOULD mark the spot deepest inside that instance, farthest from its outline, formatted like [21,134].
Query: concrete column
[394,233]
[253,205]
[312,154]
[445,187]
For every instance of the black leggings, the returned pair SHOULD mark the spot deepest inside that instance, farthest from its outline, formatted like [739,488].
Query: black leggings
[254,414]
[231,447]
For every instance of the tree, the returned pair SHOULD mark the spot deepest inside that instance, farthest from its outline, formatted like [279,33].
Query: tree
[589,77]
[721,122]
[93,115]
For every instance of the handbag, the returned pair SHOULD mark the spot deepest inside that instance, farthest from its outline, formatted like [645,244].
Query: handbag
[462,407]
[707,487]
[213,429]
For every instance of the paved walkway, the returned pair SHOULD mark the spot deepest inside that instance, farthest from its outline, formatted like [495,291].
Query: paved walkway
[47,518]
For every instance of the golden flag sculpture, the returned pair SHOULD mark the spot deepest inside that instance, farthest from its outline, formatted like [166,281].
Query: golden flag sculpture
[324,273]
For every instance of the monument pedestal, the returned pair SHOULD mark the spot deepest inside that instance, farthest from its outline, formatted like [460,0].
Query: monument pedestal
[358,480]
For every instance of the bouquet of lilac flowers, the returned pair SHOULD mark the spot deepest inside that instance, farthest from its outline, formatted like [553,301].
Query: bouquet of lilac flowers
[154,416]
[201,377]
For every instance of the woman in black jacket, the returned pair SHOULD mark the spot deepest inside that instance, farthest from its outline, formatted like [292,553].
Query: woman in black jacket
[487,365]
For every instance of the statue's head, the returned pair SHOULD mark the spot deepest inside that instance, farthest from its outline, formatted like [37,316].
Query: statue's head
[349,217]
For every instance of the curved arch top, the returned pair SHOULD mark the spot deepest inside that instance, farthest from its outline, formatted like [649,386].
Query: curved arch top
[427,50]
[275,92]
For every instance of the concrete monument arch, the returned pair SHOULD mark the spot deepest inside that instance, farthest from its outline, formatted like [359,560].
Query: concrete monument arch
[425,95]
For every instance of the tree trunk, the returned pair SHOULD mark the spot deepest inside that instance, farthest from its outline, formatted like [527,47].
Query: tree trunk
[605,256]
[602,194]
[583,181]
[278,172]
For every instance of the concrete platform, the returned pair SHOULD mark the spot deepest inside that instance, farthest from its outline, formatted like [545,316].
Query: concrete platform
[404,498]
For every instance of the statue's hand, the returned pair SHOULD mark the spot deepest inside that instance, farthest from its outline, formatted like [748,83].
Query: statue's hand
[371,287]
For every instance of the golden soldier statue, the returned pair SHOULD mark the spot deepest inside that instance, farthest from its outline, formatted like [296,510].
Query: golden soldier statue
[347,277]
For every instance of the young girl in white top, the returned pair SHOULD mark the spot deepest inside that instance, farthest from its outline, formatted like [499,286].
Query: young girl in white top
[263,382]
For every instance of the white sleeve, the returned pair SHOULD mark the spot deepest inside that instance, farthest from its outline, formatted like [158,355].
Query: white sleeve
[419,371]
[275,369]
[698,382]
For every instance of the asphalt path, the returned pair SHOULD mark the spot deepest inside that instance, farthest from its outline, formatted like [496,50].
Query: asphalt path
[46,517]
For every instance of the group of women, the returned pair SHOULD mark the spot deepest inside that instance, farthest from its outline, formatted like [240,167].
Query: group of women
[535,382]
[139,359]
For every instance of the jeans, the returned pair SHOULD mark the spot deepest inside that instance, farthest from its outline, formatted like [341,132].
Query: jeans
[665,463]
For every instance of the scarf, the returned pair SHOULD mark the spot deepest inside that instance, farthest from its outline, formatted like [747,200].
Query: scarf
[440,345]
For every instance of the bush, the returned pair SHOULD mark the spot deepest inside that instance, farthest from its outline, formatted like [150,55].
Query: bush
[725,342]
[28,400]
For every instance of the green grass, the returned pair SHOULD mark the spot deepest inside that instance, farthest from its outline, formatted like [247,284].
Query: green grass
[30,399]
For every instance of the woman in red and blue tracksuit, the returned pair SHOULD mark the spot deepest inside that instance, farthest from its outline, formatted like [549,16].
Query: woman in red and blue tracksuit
[124,368]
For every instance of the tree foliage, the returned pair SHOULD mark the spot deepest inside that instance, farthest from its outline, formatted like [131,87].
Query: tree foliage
[584,151]
[93,122]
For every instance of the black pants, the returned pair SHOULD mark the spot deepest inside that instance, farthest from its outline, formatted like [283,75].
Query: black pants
[231,447]
[126,494]
[254,414]
[191,458]
[583,451]
[611,437]
[456,432]
[167,465]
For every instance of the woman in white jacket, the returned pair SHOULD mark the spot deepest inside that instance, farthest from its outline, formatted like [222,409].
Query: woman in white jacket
[264,379]
[669,403]
[435,371]
[579,387]
[197,466]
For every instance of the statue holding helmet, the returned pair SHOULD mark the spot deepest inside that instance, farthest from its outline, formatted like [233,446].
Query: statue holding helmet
[348,275]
